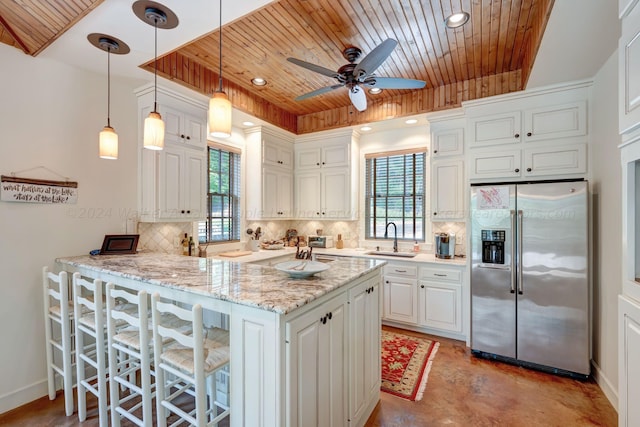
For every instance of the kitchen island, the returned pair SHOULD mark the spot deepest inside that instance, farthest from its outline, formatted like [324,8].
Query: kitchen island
[303,351]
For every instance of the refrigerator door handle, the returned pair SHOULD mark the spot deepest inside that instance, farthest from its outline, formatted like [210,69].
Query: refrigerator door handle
[519,263]
[513,245]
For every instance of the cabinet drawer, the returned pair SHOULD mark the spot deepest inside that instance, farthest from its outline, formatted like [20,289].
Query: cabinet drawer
[446,274]
[401,270]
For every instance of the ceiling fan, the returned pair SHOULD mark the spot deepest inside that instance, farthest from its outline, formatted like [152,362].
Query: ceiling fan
[354,76]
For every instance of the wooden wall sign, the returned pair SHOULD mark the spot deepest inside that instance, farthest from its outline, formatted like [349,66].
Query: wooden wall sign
[28,190]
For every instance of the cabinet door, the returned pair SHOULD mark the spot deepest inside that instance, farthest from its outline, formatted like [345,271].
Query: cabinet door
[556,160]
[629,72]
[170,183]
[447,142]
[401,299]
[195,131]
[173,123]
[195,185]
[554,122]
[364,343]
[316,366]
[308,158]
[335,156]
[495,129]
[447,190]
[307,191]
[277,154]
[269,193]
[183,128]
[500,164]
[336,193]
[441,306]
[285,194]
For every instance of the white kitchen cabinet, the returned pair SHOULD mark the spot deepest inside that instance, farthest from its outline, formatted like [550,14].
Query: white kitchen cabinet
[400,294]
[269,165]
[364,350]
[629,67]
[628,356]
[182,190]
[316,366]
[447,190]
[440,298]
[548,122]
[173,181]
[535,161]
[448,141]
[322,156]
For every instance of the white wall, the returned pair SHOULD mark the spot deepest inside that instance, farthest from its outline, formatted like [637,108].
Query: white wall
[607,218]
[50,115]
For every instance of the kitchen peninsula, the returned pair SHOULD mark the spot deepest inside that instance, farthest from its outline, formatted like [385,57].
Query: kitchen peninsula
[303,351]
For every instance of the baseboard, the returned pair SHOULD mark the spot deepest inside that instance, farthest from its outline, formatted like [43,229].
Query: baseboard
[435,332]
[605,385]
[23,395]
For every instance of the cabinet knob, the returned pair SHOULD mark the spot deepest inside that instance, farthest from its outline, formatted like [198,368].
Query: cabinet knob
[517,170]
[188,137]
[435,151]
[317,213]
[422,286]
[181,211]
[181,136]
[317,164]
[323,163]
[330,315]
[386,281]
[188,212]
[529,134]
[517,135]
[435,213]
[322,213]
[528,169]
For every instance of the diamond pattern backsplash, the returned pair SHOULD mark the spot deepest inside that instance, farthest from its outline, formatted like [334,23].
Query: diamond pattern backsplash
[161,237]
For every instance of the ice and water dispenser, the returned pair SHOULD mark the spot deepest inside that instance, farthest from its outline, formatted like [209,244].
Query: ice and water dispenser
[493,246]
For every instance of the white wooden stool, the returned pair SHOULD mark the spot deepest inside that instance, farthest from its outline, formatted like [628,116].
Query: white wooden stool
[185,362]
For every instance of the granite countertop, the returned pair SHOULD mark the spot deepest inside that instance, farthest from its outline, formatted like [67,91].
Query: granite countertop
[259,286]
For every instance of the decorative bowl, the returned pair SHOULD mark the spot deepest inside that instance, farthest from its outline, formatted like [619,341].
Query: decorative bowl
[301,268]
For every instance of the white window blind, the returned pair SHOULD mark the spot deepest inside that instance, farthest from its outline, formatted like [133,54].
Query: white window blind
[394,192]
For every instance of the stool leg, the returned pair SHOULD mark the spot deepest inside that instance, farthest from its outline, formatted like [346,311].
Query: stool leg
[68,375]
[80,376]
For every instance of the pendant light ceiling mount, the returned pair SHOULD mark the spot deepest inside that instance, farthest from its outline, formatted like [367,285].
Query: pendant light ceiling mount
[155,14]
[108,143]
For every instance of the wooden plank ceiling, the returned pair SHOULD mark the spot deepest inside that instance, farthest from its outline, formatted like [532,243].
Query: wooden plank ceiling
[492,54]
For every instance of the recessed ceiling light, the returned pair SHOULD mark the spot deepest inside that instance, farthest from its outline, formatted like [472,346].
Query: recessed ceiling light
[365,128]
[248,123]
[258,81]
[375,90]
[411,121]
[457,20]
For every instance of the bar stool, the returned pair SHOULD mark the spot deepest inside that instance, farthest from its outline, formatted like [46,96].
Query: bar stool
[90,322]
[58,311]
[186,362]
[129,354]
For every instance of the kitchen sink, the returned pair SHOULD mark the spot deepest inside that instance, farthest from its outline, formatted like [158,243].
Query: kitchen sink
[390,253]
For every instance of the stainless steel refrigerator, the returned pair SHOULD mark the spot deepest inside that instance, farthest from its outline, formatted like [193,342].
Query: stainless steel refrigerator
[530,274]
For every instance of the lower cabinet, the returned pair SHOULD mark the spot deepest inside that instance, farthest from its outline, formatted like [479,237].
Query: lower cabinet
[333,360]
[440,299]
[629,369]
[400,301]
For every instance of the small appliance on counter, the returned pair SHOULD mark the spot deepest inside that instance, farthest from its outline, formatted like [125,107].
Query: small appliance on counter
[321,241]
[445,245]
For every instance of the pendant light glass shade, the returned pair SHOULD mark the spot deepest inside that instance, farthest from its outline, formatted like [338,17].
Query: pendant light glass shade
[154,132]
[220,115]
[108,143]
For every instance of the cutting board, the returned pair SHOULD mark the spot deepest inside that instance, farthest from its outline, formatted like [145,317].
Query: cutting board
[234,254]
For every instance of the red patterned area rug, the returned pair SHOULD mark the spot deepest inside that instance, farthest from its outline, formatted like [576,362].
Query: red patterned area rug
[406,361]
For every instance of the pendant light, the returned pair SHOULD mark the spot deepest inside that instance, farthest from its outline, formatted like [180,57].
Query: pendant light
[219,104]
[160,17]
[108,145]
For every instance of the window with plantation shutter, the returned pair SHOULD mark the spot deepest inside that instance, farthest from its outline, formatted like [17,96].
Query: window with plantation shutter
[223,198]
[394,192]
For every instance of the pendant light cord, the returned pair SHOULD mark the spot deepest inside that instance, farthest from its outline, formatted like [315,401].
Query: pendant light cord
[109,86]
[155,67]
[220,66]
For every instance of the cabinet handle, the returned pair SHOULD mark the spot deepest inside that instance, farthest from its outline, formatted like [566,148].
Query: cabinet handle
[529,134]
[372,289]
[330,315]
[528,169]
[517,135]
[517,170]
[323,320]
[400,271]
[439,275]
[422,286]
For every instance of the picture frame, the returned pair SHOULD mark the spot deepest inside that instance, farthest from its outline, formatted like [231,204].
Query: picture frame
[119,244]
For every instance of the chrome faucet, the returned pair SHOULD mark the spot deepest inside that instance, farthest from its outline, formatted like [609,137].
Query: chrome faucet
[395,237]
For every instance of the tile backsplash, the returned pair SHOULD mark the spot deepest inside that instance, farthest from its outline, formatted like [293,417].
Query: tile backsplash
[161,236]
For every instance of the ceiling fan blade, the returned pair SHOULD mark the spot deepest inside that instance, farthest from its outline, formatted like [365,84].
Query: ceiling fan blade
[394,83]
[318,92]
[374,59]
[313,67]
[358,98]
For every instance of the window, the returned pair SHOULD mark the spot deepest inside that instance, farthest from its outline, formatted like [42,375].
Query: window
[223,197]
[394,192]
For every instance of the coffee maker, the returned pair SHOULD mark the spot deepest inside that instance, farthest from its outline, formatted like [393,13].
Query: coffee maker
[445,245]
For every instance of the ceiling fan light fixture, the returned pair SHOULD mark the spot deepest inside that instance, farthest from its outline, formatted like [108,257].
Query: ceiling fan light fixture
[258,81]
[220,108]
[456,20]
[375,90]
[108,138]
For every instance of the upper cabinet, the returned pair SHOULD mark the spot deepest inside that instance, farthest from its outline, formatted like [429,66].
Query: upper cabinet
[629,67]
[533,134]
[326,180]
[269,165]
[173,180]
